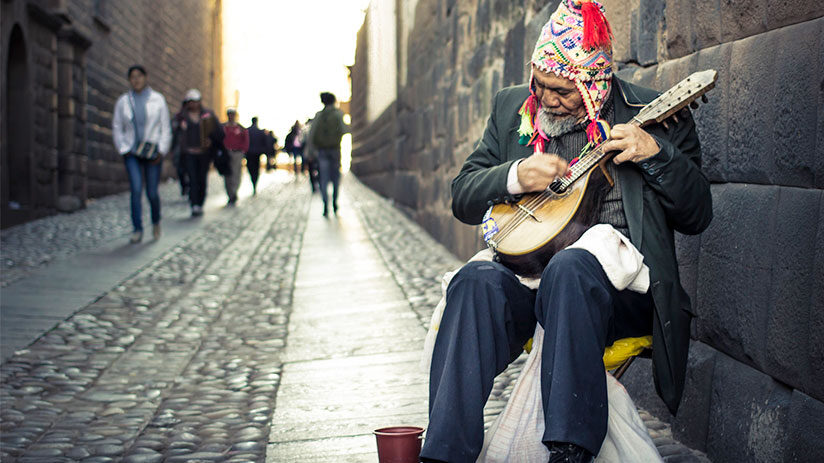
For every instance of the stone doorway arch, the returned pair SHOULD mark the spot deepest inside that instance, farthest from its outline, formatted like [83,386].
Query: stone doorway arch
[17,132]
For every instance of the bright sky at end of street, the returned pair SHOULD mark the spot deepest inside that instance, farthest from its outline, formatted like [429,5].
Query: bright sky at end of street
[278,56]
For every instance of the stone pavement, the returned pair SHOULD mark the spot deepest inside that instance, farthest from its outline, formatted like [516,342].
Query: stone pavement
[57,265]
[261,333]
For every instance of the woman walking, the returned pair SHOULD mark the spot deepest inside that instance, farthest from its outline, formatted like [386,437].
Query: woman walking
[142,135]
[199,135]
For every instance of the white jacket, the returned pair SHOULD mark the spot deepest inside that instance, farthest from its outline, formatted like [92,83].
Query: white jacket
[158,130]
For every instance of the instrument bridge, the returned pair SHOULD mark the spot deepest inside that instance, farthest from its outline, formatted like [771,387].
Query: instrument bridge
[528,212]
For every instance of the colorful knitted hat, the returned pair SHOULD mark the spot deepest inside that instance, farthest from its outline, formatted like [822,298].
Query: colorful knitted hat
[575,44]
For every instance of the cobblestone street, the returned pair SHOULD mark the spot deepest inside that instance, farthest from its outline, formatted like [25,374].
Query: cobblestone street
[262,332]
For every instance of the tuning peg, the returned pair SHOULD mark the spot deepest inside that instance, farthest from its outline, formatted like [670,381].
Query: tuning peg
[694,105]
[704,98]
[664,123]
[675,118]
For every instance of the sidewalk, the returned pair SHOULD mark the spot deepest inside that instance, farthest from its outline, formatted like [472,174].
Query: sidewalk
[265,333]
[351,357]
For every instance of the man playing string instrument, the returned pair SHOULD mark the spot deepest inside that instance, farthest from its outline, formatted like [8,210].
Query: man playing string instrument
[572,103]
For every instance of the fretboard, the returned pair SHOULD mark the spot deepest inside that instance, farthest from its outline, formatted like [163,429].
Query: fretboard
[584,164]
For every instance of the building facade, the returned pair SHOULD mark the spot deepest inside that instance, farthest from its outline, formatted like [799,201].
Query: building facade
[755,386]
[64,65]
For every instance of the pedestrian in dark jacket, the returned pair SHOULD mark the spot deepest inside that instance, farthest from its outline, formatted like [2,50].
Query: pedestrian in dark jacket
[328,128]
[257,146]
[271,149]
[293,145]
[199,135]
[532,135]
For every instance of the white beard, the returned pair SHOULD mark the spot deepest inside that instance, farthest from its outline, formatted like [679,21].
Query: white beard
[555,126]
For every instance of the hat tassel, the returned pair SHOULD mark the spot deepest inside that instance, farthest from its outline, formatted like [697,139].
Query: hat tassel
[597,31]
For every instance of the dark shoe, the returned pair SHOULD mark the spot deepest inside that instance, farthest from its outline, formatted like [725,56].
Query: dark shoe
[563,452]
[325,211]
[335,208]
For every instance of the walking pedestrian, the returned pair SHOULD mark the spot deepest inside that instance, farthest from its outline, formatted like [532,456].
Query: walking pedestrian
[179,161]
[294,146]
[327,130]
[257,146]
[272,150]
[236,142]
[142,135]
[199,134]
[310,156]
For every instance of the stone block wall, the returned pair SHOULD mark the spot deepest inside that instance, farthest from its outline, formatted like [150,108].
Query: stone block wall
[175,41]
[756,276]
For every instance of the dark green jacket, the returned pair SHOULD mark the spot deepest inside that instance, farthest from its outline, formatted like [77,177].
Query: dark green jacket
[663,193]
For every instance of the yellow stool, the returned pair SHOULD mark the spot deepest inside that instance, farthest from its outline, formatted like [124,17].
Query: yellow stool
[620,354]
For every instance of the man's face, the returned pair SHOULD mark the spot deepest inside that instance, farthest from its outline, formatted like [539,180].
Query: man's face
[558,95]
[137,80]
[193,105]
[232,117]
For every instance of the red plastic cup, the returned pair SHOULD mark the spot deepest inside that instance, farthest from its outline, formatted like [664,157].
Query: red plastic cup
[399,444]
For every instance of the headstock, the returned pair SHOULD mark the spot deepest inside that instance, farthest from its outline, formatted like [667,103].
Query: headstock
[677,97]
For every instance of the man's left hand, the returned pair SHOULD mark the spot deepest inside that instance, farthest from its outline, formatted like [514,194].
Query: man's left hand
[633,143]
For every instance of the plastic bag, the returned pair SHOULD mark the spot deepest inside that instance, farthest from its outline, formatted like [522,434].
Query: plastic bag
[622,349]
[516,434]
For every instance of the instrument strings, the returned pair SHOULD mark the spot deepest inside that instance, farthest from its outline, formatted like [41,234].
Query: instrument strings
[579,168]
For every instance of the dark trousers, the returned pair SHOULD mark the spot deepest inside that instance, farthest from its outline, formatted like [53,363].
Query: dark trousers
[197,166]
[137,170]
[253,166]
[182,173]
[311,166]
[329,171]
[489,316]
[297,154]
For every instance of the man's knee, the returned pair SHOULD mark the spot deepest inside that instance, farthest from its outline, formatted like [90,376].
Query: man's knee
[478,287]
[482,272]
[569,263]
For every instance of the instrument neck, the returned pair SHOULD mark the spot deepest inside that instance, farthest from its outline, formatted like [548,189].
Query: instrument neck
[588,161]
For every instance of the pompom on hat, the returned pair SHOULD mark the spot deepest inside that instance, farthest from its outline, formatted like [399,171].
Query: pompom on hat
[574,44]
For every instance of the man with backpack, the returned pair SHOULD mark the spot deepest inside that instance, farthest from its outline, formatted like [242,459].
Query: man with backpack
[327,130]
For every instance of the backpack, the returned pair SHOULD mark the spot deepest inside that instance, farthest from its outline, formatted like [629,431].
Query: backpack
[327,130]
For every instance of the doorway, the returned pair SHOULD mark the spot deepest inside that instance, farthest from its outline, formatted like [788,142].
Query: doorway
[16,158]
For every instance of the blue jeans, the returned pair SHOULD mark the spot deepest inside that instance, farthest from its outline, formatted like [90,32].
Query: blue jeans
[136,170]
[329,170]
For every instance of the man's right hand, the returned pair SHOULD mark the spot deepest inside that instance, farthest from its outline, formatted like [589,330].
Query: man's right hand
[536,172]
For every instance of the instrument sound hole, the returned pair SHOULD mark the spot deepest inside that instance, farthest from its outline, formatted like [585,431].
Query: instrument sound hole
[557,187]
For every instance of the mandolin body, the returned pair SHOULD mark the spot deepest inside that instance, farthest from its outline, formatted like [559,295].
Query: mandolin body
[525,244]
